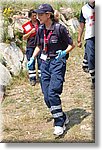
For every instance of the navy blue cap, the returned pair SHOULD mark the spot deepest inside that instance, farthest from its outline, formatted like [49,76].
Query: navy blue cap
[44,8]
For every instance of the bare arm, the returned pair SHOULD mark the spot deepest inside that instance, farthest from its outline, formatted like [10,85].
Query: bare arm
[26,36]
[69,48]
[36,51]
[80,32]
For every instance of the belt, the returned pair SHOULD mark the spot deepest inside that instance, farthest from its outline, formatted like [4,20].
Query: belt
[51,56]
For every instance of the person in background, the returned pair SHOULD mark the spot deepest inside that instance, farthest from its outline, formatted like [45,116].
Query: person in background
[87,19]
[31,38]
[54,47]
[56,15]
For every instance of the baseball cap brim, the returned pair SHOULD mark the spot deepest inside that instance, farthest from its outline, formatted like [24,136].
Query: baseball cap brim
[39,11]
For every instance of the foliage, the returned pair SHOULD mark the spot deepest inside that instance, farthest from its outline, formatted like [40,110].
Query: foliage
[7,14]
[76,6]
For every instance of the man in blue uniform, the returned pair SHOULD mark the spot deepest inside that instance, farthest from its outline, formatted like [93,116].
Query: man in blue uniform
[87,18]
[31,38]
[55,43]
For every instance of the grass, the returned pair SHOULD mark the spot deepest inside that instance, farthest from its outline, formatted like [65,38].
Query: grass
[20,79]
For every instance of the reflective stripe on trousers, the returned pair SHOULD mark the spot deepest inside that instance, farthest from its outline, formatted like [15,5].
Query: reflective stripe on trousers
[32,74]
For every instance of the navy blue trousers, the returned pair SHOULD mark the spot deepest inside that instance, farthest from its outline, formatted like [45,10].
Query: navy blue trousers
[85,60]
[90,50]
[52,77]
[32,69]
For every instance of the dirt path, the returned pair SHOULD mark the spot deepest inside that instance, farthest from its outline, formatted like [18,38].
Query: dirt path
[27,119]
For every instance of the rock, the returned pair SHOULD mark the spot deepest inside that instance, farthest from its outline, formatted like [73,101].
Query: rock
[18,22]
[5,76]
[2,91]
[66,12]
[13,56]
[5,79]
[25,12]
[73,24]
[10,32]
[2,60]
[24,64]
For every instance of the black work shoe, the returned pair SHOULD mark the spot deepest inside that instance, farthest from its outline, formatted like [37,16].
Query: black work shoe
[32,82]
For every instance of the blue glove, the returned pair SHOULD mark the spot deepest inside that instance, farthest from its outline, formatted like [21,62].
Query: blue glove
[30,62]
[61,54]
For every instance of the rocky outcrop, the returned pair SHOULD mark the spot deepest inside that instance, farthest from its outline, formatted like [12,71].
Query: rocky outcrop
[71,24]
[12,56]
[5,78]
[11,59]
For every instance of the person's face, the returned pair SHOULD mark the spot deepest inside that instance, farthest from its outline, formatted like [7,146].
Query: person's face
[33,16]
[56,17]
[43,17]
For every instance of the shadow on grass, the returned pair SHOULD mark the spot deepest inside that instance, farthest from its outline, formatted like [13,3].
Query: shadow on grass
[76,116]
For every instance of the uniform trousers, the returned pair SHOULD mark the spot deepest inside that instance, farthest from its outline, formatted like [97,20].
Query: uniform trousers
[52,77]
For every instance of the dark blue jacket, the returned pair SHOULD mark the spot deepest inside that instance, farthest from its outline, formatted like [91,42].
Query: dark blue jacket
[57,41]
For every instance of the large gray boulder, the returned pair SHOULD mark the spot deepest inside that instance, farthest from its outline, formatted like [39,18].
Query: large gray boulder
[73,24]
[66,12]
[13,57]
[18,22]
[5,75]
[5,78]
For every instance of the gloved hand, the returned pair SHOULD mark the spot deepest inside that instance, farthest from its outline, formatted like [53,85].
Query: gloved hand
[30,62]
[61,54]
